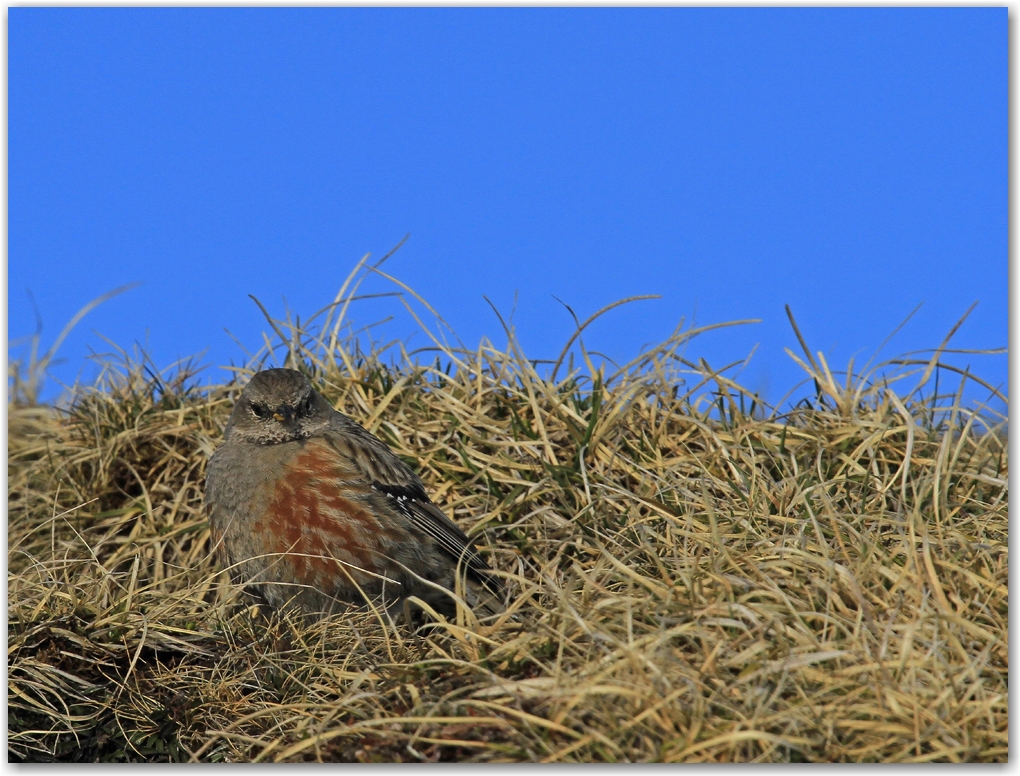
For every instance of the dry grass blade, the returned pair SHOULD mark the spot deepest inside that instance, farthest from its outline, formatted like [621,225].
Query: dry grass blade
[588,321]
[27,379]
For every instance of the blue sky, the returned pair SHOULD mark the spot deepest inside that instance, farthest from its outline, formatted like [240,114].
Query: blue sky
[849,162]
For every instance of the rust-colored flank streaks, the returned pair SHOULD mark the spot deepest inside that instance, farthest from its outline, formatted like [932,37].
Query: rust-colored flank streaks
[315,521]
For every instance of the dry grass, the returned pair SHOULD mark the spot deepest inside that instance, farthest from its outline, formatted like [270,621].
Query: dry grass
[697,578]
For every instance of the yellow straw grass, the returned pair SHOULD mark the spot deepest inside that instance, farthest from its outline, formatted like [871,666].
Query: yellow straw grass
[695,577]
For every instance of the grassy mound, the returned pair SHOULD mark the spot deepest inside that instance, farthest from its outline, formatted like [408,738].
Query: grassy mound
[696,577]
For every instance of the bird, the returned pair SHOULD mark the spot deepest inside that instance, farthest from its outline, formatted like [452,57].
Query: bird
[308,509]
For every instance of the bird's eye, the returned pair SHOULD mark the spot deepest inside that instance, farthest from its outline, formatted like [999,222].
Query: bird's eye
[259,411]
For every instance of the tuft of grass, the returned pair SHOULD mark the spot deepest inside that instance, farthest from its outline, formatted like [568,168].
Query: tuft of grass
[697,577]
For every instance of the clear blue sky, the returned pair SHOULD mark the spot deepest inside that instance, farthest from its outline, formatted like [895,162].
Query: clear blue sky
[849,162]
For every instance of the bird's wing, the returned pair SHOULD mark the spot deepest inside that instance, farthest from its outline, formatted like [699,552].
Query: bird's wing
[405,492]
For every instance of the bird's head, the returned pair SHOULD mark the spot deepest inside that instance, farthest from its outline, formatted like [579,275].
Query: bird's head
[278,405]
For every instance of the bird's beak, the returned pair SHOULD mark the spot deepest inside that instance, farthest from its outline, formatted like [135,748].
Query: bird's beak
[283,413]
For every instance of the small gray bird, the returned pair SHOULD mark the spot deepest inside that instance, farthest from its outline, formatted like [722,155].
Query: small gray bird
[308,507]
